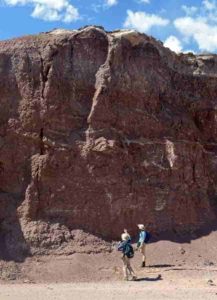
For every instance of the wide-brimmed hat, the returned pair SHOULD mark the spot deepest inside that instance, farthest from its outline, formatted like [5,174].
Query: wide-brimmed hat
[141,226]
[125,236]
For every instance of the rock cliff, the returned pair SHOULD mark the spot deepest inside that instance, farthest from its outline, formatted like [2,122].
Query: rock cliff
[100,131]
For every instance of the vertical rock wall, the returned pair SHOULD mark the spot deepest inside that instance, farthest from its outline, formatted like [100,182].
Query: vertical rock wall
[101,131]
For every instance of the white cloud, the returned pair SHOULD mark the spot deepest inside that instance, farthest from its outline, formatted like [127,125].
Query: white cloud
[143,21]
[199,30]
[41,12]
[71,14]
[189,10]
[49,10]
[144,1]
[111,2]
[173,43]
[199,25]
[209,5]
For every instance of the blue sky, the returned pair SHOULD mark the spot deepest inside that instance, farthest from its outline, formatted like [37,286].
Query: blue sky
[183,25]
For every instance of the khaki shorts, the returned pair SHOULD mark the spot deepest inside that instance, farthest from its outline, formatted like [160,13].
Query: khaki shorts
[142,248]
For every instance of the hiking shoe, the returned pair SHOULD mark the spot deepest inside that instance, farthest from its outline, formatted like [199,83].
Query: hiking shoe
[134,278]
[126,279]
[143,264]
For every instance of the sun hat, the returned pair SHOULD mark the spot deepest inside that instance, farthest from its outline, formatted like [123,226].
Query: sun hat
[141,226]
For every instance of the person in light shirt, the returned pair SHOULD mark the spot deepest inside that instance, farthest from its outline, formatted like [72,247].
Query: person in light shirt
[141,243]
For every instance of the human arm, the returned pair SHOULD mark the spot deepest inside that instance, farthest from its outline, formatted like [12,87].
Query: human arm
[121,246]
[141,241]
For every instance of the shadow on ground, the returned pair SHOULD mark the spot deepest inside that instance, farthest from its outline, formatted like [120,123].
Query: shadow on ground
[159,277]
[161,266]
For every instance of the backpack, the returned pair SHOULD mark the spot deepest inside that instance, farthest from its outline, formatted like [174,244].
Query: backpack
[128,251]
[147,237]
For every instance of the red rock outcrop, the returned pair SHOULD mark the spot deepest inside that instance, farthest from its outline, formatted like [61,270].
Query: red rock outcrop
[100,131]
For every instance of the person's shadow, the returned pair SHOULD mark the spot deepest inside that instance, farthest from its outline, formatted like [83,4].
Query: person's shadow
[161,266]
[159,277]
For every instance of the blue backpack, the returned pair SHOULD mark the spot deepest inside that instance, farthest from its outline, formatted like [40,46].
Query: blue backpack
[147,237]
[128,251]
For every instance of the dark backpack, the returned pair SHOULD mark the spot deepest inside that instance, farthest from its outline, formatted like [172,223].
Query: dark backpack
[128,251]
[147,237]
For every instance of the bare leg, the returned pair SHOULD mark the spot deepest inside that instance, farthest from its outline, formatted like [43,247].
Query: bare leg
[130,269]
[143,252]
[125,267]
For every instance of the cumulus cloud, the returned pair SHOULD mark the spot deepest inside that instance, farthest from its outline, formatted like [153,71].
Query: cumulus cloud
[143,21]
[49,10]
[189,10]
[200,25]
[173,43]
[111,2]
[200,31]
[209,5]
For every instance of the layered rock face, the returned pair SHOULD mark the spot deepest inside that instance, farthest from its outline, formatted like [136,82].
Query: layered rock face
[101,131]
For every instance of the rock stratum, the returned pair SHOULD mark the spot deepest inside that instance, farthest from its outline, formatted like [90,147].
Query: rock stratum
[100,131]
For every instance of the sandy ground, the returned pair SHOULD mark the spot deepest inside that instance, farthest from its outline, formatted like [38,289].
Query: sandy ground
[174,271]
[60,279]
[111,291]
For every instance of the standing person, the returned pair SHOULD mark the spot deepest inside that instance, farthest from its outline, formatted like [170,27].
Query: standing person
[141,243]
[128,253]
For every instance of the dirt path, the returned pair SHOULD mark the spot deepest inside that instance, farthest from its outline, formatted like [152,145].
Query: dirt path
[174,271]
[153,283]
[99,291]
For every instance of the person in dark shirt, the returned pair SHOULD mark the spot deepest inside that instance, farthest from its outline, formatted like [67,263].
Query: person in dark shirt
[126,248]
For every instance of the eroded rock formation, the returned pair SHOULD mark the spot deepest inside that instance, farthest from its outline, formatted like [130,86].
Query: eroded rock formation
[100,131]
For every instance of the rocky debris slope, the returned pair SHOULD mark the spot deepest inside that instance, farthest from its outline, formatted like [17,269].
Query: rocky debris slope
[100,131]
